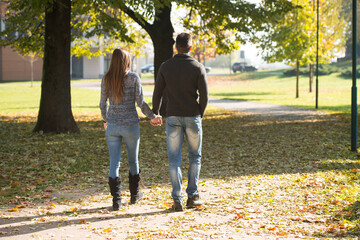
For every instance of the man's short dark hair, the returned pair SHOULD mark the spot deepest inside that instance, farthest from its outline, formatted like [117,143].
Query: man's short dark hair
[183,42]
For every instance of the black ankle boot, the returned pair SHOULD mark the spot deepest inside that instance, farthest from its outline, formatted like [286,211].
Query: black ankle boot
[115,191]
[135,195]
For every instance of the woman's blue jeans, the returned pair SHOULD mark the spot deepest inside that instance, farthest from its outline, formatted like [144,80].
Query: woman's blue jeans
[131,135]
[178,128]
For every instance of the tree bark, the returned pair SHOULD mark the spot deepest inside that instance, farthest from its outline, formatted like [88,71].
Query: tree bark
[162,37]
[55,113]
[297,79]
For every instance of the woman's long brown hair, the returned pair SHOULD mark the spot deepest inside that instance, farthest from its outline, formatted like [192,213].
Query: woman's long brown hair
[115,77]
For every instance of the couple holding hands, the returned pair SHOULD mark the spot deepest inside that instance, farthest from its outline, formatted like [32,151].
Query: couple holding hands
[184,80]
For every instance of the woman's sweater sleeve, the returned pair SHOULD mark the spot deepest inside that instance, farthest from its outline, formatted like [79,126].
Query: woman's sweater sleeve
[103,100]
[139,97]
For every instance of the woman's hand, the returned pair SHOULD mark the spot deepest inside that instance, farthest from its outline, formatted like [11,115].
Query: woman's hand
[157,121]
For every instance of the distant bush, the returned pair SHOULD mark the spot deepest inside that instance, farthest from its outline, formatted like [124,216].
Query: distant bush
[292,72]
[347,72]
[324,69]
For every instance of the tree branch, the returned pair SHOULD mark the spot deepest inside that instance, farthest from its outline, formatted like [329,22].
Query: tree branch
[138,19]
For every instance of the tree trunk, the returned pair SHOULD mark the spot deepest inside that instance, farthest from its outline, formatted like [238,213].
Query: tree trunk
[311,76]
[161,34]
[297,79]
[55,105]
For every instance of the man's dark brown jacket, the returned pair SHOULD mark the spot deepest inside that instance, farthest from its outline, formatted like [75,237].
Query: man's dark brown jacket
[184,80]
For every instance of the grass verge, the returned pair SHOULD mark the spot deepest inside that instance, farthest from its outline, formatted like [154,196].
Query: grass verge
[272,87]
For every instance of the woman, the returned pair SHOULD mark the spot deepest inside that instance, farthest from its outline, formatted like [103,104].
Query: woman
[122,88]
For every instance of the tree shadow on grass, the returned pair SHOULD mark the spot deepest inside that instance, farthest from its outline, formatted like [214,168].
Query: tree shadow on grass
[246,145]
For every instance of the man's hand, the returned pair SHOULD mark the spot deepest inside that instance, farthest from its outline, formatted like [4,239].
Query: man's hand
[105,125]
[157,121]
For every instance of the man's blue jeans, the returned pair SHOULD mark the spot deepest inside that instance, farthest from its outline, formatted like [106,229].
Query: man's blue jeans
[176,129]
[131,135]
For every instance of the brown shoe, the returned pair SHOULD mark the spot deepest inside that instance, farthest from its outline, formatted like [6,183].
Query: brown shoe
[177,207]
[194,201]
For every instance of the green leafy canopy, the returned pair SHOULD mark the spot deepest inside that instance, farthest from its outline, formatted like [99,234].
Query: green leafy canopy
[225,23]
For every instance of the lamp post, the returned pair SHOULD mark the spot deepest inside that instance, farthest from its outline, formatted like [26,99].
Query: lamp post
[354,88]
[317,59]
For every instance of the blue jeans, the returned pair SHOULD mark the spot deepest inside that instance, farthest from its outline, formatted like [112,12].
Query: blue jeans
[131,135]
[176,129]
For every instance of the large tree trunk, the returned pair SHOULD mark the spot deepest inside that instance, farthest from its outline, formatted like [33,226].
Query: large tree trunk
[161,35]
[55,105]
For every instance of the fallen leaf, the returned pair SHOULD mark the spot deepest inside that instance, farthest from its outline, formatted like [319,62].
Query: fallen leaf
[14,183]
[50,206]
[200,208]
[15,209]
[74,209]
[282,233]
[48,190]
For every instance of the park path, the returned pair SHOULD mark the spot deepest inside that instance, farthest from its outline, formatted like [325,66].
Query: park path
[263,110]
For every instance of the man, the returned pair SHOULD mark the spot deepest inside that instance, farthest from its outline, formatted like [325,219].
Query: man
[184,80]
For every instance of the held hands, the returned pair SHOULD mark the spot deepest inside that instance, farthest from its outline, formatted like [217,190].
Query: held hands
[157,121]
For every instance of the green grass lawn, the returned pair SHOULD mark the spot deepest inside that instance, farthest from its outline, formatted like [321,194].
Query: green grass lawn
[263,86]
[297,177]
[272,87]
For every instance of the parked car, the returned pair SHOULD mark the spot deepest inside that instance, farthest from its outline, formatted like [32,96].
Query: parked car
[147,68]
[241,67]
[250,68]
[237,67]
[152,69]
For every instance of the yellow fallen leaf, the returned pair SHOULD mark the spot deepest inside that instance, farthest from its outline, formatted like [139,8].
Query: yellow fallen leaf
[200,208]
[282,233]
[107,230]
[166,205]
[15,209]
[239,215]
[51,206]
[74,209]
